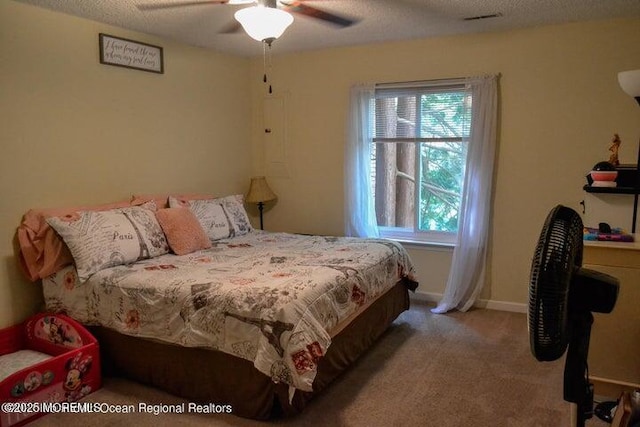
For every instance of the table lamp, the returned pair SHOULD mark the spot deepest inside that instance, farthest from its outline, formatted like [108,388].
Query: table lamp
[260,193]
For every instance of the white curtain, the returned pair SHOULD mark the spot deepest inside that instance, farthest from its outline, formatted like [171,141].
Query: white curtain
[467,274]
[360,217]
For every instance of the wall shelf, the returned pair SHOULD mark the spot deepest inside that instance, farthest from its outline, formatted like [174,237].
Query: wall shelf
[628,183]
[609,190]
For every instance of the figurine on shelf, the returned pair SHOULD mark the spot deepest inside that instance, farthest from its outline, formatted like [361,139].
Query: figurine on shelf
[615,146]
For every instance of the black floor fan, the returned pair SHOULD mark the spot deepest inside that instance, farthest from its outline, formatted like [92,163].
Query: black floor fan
[562,298]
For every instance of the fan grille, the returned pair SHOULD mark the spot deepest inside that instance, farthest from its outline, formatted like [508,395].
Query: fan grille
[557,256]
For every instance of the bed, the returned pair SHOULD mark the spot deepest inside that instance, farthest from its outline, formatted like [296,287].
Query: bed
[254,322]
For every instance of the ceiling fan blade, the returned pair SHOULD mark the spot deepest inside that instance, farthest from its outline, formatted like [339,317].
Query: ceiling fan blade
[312,12]
[173,5]
[231,28]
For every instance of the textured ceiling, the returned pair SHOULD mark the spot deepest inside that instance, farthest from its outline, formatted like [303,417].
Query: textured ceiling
[378,20]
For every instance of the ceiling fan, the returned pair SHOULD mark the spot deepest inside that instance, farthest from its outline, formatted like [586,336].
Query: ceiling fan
[266,20]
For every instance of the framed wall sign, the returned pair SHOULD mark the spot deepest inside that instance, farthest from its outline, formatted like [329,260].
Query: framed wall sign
[130,54]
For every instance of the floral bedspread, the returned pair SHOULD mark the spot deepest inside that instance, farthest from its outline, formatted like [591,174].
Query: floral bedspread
[270,298]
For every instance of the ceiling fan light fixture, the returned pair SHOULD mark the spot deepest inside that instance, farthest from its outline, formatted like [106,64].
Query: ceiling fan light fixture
[264,23]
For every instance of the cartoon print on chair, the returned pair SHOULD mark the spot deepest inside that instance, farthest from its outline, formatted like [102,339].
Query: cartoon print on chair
[32,381]
[18,389]
[57,331]
[47,377]
[77,368]
[54,397]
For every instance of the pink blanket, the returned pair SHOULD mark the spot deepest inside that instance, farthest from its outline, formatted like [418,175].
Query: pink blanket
[42,251]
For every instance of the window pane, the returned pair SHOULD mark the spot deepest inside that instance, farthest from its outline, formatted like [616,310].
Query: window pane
[444,115]
[395,117]
[394,181]
[441,179]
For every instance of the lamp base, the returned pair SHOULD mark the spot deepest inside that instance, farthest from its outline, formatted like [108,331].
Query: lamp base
[261,208]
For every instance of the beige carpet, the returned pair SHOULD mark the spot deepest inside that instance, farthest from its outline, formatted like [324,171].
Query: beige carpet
[462,369]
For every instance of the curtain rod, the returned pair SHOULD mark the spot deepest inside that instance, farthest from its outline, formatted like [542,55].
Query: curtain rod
[453,80]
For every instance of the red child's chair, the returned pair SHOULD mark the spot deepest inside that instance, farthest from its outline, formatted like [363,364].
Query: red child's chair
[49,358]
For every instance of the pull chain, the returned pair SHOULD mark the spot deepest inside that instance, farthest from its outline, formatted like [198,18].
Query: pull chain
[270,67]
[264,63]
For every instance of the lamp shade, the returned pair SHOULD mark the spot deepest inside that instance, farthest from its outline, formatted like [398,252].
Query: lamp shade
[263,23]
[630,82]
[259,191]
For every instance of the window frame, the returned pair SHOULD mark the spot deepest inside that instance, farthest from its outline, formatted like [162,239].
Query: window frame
[415,234]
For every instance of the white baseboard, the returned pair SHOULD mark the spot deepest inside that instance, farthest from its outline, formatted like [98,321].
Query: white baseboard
[515,307]
[425,296]
[488,304]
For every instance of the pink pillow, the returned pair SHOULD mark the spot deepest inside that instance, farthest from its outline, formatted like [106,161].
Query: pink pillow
[184,232]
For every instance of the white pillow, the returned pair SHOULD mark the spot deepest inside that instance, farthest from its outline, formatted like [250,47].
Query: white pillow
[234,206]
[99,240]
[220,218]
[210,215]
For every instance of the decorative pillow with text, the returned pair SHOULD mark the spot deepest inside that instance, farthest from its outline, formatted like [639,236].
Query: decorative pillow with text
[99,240]
[220,218]
[234,206]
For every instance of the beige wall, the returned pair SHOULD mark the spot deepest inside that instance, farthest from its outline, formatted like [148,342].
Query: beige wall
[73,131]
[560,105]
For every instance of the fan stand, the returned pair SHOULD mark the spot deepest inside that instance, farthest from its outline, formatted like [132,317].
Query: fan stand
[591,291]
[577,388]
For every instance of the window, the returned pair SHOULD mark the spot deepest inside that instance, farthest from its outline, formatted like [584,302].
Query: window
[411,148]
[418,158]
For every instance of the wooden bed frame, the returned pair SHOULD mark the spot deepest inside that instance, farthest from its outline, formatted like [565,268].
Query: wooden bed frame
[208,376]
